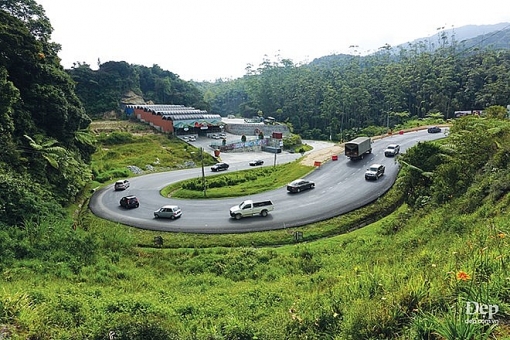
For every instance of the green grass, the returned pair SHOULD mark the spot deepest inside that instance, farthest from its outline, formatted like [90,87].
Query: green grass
[393,279]
[150,153]
[238,183]
[381,272]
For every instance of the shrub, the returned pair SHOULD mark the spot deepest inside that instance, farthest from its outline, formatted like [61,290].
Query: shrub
[116,138]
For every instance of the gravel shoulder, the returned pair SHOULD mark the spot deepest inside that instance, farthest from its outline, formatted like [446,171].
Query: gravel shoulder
[322,155]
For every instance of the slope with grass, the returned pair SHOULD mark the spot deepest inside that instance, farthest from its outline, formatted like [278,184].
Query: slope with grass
[408,275]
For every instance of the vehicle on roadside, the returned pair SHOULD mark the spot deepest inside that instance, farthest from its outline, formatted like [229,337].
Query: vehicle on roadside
[121,184]
[168,211]
[251,208]
[192,138]
[129,202]
[256,162]
[434,129]
[299,185]
[392,150]
[219,167]
[358,147]
[374,172]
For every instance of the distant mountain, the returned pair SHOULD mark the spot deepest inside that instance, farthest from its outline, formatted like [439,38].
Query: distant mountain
[497,40]
[471,36]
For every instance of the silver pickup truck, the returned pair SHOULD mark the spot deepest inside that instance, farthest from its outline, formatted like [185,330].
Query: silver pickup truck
[251,208]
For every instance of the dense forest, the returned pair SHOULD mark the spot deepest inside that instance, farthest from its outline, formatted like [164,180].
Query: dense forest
[46,147]
[342,94]
[332,96]
[101,90]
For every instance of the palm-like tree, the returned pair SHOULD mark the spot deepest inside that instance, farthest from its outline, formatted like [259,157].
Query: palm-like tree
[48,150]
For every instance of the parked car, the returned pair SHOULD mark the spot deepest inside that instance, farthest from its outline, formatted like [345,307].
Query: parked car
[256,162]
[121,184]
[434,129]
[374,171]
[299,185]
[192,138]
[219,167]
[392,150]
[130,201]
[168,211]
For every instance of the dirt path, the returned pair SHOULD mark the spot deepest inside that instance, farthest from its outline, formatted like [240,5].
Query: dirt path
[323,155]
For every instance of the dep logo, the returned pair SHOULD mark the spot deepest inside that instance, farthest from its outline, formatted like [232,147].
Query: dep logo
[487,312]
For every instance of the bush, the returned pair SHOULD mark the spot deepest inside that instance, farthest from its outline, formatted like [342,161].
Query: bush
[116,138]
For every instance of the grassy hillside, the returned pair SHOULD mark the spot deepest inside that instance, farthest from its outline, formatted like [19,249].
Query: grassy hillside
[409,275]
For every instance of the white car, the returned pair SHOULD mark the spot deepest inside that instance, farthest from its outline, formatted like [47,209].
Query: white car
[121,184]
[374,172]
[392,150]
[168,211]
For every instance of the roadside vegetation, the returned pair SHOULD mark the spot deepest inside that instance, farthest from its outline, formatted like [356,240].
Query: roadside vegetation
[126,154]
[358,276]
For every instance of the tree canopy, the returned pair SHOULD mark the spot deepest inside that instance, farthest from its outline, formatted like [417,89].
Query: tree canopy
[342,94]
[37,101]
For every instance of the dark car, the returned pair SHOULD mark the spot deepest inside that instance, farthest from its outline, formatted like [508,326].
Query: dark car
[299,185]
[219,167]
[256,162]
[374,171]
[122,184]
[434,129]
[129,202]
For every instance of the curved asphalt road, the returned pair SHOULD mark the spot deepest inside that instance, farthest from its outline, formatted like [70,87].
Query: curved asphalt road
[340,188]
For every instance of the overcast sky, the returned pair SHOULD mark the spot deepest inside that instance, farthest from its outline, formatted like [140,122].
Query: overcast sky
[212,39]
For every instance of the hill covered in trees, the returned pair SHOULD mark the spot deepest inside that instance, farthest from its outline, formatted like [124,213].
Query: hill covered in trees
[339,95]
[43,127]
[332,96]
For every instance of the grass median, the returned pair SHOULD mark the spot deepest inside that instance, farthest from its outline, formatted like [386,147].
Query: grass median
[239,183]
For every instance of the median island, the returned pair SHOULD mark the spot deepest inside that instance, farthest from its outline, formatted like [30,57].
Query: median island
[239,183]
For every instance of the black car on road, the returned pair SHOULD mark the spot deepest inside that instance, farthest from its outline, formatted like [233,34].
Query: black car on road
[130,201]
[299,185]
[219,167]
[434,129]
[256,162]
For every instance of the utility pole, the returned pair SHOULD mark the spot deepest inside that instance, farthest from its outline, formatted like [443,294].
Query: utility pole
[203,172]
